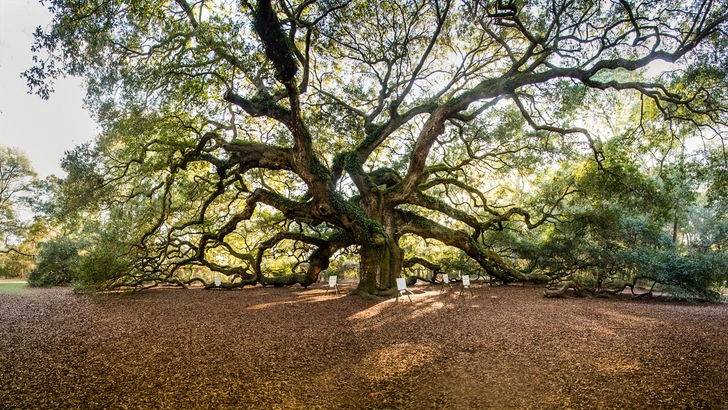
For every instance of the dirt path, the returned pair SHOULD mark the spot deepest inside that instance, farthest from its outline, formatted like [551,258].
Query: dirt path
[269,348]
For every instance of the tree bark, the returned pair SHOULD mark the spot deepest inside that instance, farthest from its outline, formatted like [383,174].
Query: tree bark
[675,227]
[380,265]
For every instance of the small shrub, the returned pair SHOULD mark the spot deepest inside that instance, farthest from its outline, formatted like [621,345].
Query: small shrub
[100,265]
[57,263]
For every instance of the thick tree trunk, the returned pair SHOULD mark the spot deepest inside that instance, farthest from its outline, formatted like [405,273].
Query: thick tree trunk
[381,265]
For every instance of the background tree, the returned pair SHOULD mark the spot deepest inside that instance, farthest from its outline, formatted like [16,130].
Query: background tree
[234,131]
[17,180]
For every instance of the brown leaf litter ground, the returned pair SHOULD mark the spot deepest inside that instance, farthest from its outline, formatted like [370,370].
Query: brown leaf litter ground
[506,347]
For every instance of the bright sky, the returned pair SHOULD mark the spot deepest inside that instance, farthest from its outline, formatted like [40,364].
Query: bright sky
[43,129]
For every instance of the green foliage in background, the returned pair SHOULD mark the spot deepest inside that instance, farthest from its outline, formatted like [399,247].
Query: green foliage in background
[58,263]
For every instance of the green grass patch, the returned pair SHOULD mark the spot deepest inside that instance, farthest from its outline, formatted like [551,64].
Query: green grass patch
[14,287]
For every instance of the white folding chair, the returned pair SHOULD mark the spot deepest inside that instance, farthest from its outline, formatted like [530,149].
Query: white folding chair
[333,284]
[445,281]
[402,290]
[466,285]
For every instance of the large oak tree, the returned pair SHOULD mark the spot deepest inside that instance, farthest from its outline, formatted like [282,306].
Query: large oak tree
[231,128]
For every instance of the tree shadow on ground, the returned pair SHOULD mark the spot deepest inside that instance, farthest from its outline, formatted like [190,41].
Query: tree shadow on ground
[505,347]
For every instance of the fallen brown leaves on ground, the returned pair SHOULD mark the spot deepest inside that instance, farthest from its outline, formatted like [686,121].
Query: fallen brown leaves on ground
[270,348]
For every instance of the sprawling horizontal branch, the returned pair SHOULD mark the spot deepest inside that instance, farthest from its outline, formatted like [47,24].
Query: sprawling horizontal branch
[318,259]
[14,250]
[493,264]
[263,106]
[462,185]
[249,155]
[426,201]
[412,279]
[291,209]
[409,262]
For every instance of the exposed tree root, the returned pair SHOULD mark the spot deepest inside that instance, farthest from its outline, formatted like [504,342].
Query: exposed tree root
[412,280]
[559,292]
[609,289]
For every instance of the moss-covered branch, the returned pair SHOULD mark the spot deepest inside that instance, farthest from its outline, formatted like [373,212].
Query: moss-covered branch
[493,264]
[318,259]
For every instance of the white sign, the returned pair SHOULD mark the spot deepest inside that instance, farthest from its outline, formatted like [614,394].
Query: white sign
[332,281]
[218,280]
[466,281]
